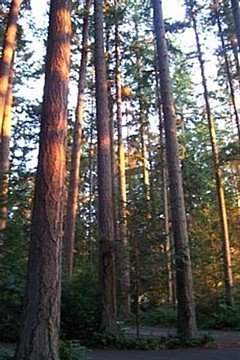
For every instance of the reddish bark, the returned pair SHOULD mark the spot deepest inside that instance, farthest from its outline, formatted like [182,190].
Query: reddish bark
[41,319]
[7,54]
[105,201]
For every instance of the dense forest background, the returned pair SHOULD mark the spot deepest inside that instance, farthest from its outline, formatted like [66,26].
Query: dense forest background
[125,191]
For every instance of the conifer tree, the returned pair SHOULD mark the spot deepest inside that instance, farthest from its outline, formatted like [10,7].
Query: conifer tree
[122,206]
[41,313]
[105,200]
[6,75]
[228,278]
[71,212]
[186,309]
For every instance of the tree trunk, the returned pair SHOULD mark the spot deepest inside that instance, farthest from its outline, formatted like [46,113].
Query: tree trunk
[122,206]
[232,93]
[6,69]
[108,28]
[144,153]
[218,176]
[7,54]
[71,214]
[41,319]
[105,202]
[143,125]
[90,204]
[167,244]
[236,18]
[186,310]
[4,153]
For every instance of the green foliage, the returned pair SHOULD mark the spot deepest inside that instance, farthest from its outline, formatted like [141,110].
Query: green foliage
[224,318]
[79,305]
[6,353]
[72,350]
[69,350]
[164,316]
[120,341]
[12,279]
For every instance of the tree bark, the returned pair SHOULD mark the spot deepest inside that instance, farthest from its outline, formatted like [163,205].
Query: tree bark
[105,201]
[122,206]
[228,72]
[91,188]
[108,28]
[41,318]
[71,213]
[7,54]
[6,70]
[164,183]
[218,176]
[186,310]
[145,162]
[4,153]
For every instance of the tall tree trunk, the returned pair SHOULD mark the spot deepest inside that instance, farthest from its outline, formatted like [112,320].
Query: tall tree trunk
[7,54]
[105,201]
[108,29]
[6,69]
[142,122]
[41,319]
[122,206]
[167,244]
[236,18]
[146,179]
[71,214]
[90,205]
[218,176]
[4,153]
[186,310]
[232,93]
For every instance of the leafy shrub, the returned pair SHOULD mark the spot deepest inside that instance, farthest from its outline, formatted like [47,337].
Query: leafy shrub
[72,350]
[12,280]
[164,316]
[80,301]
[6,354]
[224,318]
[120,341]
[10,313]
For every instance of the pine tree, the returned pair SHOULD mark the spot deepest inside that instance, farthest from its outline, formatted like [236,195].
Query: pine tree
[122,206]
[71,211]
[6,73]
[105,201]
[186,310]
[218,174]
[41,318]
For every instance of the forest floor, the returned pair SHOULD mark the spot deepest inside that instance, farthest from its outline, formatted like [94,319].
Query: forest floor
[221,338]
[180,354]
[226,346]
